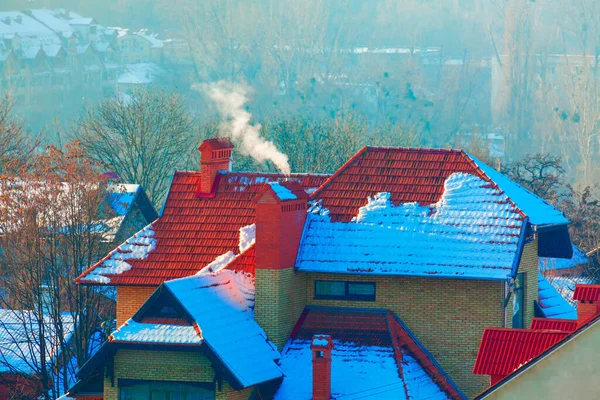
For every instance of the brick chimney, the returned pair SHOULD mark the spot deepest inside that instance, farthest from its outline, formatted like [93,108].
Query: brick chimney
[215,156]
[588,304]
[321,346]
[279,300]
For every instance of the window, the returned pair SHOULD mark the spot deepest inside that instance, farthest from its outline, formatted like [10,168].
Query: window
[164,391]
[518,301]
[338,290]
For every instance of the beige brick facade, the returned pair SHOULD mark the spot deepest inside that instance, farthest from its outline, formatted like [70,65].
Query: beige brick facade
[168,366]
[158,365]
[279,300]
[446,315]
[130,299]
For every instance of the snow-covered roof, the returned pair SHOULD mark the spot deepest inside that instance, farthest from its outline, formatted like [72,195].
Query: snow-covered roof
[136,247]
[140,74]
[136,332]
[19,340]
[578,258]
[552,304]
[356,372]
[373,356]
[150,37]
[565,286]
[222,306]
[34,36]
[539,211]
[282,192]
[472,232]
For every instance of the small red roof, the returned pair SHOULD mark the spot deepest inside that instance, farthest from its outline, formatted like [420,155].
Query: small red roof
[503,350]
[586,292]
[554,324]
[193,231]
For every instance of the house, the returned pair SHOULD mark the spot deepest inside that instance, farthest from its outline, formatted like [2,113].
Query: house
[554,359]
[400,258]
[20,351]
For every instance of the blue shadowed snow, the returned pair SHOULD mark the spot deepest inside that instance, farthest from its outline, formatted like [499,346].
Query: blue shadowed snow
[553,305]
[282,192]
[539,211]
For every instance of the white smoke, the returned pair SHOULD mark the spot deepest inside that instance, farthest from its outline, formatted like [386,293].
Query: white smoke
[230,100]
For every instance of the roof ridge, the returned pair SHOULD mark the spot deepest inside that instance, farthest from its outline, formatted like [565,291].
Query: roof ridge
[414,149]
[487,178]
[351,160]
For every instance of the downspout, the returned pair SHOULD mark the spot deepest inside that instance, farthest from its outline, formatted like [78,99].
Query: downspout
[517,260]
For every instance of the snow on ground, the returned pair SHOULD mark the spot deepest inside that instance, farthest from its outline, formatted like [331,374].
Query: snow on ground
[135,248]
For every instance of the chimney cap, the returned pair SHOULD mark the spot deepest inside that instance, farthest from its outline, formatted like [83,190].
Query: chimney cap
[321,341]
[218,143]
[283,191]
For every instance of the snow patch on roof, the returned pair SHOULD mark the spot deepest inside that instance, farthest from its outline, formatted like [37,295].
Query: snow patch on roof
[282,192]
[247,237]
[473,231]
[136,332]
[222,305]
[135,248]
[218,264]
[356,372]
[539,211]
[552,304]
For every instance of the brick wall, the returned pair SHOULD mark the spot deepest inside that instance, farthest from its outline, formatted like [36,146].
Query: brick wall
[279,301]
[130,299]
[446,315]
[158,365]
[168,366]
[529,265]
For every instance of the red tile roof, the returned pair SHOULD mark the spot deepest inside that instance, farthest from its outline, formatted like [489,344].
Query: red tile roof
[372,328]
[554,324]
[503,350]
[193,231]
[586,292]
[410,175]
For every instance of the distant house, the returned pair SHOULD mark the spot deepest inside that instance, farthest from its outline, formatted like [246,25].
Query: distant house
[45,53]
[377,280]
[20,352]
[554,359]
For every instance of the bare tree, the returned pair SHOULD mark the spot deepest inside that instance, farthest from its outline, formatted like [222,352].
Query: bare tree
[543,174]
[141,138]
[15,145]
[52,224]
